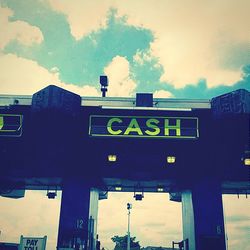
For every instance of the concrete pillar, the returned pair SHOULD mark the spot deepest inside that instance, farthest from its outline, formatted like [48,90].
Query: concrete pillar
[188,219]
[202,216]
[77,229]
[93,216]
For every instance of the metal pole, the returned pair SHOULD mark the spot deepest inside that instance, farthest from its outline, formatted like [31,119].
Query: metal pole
[104,90]
[128,243]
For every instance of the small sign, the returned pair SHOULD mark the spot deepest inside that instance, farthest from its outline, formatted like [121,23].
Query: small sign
[144,127]
[32,243]
[11,125]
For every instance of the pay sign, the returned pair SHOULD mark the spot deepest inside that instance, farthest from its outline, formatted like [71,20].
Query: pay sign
[32,243]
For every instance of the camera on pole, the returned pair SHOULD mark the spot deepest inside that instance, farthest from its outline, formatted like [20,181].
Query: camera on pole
[129,206]
[104,85]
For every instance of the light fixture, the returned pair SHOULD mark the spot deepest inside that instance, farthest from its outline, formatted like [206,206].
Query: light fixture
[246,156]
[247,161]
[138,197]
[138,192]
[112,158]
[51,194]
[104,85]
[129,206]
[160,189]
[118,188]
[171,159]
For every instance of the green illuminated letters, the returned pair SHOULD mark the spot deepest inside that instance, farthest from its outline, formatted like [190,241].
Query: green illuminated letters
[176,127]
[1,122]
[150,123]
[133,127]
[109,126]
[10,125]
[141,126]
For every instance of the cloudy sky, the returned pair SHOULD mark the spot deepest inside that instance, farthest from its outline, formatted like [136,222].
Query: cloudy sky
[182,49]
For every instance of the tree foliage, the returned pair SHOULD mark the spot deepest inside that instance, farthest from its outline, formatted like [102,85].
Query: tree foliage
[121,242]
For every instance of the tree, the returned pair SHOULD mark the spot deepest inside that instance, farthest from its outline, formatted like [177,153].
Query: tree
[121,243]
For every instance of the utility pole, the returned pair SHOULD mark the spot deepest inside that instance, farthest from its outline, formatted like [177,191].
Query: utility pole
[129,206]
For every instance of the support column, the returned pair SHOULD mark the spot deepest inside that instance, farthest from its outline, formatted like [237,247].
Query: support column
[75,225]
[202,216]
[93,214]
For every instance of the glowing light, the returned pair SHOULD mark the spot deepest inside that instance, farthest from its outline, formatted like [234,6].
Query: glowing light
[160,189]
[247,161]
[118,188]
[112,158]
[171,159]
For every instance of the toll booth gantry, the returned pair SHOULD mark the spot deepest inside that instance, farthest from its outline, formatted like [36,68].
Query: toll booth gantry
[196,150]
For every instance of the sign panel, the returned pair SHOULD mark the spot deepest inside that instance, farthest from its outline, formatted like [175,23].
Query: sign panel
[144,126]
[32,243]
[11,125]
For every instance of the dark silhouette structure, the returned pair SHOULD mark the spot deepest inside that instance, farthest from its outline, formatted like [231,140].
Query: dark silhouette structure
[194,149]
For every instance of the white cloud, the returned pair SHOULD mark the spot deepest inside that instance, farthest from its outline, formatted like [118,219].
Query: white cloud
[156,214]
[142,57]
[149,218]
[33,215]
[19,30]
[187,35]
[163,94]
[120,83]
[83,16]
[186,66]
[82,91]
[25,77]
[237,218]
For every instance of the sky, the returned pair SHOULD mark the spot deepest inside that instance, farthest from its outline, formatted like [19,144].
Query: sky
[178,49]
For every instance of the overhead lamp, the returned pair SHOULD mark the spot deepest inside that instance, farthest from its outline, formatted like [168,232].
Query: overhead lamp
[112,158]
[171,159]
[118,188]
[160,189]
[247,161]
[138,197]
[246,156]
[138,192]
[51,194]
[129,206]
[104,85]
